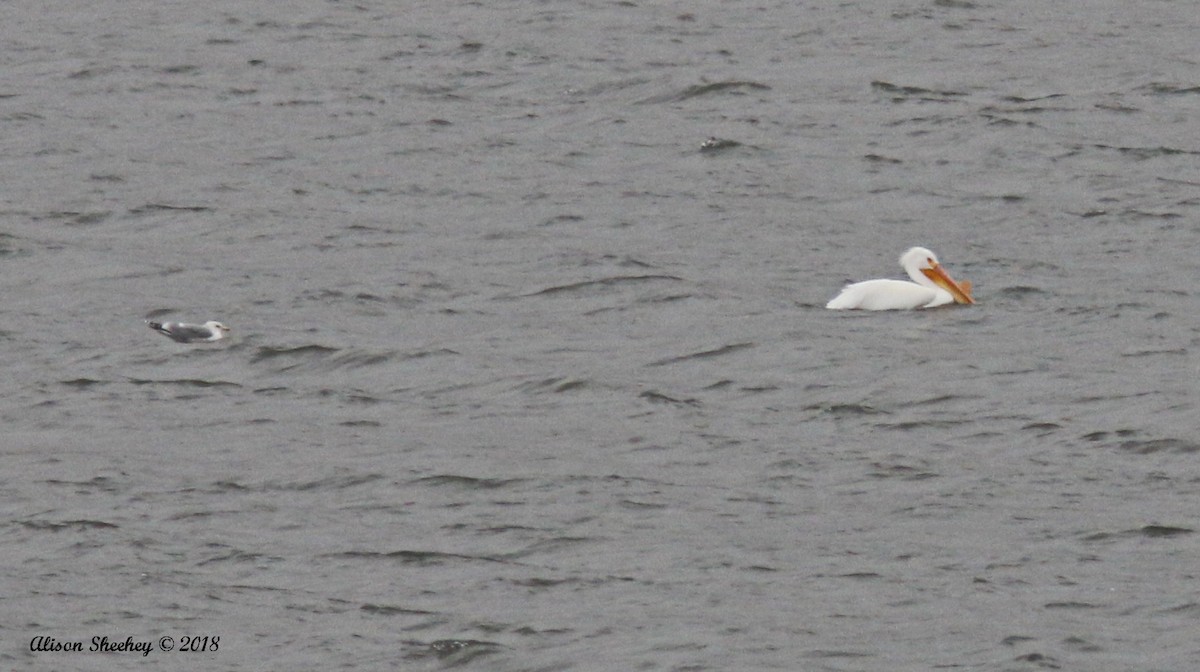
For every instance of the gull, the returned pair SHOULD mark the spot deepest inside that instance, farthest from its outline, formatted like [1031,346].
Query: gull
[190,333]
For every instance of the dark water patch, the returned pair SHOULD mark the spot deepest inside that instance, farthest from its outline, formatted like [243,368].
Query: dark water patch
[982,436]
[1102,435]
[845,410]
[1144,532]
[1118,108]
[630,504]
[902,92]
[1081,644]
[355,398]
[322,295]
[218,487]
[552,385]
[1148,353]
[318,358]
[901,471]
[418,558]
[83,218]
[1164,89]
[1145,214]
[1192,608]
[1170,445]
[1040,659]
[733,87]
[1020,291]
[1070,605]
[150,208]
[184,382]
[505,529]
[390,610]
[990,110]
[604,283]
[1091,399]
[360,423]
[331,483]
[71,217]
[554,545]
[20,116]
[660,398]
[235,556]
[878,158]
[10,247]
[1013,640]
[467,482]
[1187,183]
[932,401]
[1157,531]
[59,526]
[1034,99]
[83,383]
[834,653]
[918,424]
[561,219]
[195,515]
[102,484]
[703,354]
[180,69]
[540,583]
[994,120]
[1144,153]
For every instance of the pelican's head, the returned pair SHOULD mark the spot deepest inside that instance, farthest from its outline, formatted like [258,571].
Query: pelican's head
[922,266]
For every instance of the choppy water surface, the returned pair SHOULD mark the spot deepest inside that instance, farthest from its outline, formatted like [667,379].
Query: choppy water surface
[530,369]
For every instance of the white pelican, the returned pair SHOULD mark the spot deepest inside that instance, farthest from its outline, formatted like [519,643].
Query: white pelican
[190,333]
[931,286]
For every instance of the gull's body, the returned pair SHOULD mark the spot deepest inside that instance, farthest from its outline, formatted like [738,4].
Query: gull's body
[931,286]
[190,333]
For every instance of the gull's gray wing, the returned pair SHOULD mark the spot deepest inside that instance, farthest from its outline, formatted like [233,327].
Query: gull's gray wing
[184,333]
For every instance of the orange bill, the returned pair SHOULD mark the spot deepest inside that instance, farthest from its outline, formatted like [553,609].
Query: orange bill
[939,276]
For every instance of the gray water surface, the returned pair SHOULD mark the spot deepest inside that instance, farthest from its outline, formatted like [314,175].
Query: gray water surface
[530,369]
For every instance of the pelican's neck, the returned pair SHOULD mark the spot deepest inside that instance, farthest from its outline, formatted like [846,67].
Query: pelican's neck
[912,261]
[914,271]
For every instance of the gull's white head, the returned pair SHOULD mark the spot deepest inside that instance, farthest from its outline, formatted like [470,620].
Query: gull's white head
[217,327]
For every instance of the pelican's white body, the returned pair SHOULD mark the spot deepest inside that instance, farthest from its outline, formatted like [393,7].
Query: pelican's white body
[889,295]
[922,292]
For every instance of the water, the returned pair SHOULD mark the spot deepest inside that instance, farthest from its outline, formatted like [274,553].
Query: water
[527,374]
